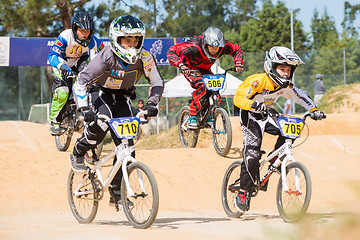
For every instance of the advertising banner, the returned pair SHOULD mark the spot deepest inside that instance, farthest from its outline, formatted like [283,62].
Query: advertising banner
[34,51]
[4,51]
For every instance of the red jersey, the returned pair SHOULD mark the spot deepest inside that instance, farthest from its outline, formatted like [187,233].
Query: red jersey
[192,55]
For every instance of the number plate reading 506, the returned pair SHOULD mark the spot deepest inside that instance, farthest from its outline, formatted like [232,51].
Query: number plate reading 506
[290,127]
[214,82]
[125,127]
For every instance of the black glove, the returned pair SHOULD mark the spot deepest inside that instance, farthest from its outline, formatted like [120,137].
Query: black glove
[238,66]
[273,112]
[151,108]
[184,69]
[318,115]
[65,70]
[89,116]
[259,107]
[131,93]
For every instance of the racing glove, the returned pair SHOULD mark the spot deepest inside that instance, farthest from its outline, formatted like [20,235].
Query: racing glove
[89,116]
[318,115]
[259,107]
[65,70]
[238,66]
[151,108]
[184,69]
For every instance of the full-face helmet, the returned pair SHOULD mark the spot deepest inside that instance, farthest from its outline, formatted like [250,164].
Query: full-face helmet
[281,56]
[126,26]
[213,37]
[82,20]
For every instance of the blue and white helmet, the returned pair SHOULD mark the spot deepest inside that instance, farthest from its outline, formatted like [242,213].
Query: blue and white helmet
[281,56]
[126,26]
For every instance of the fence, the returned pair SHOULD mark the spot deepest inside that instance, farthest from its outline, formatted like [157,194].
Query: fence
[22,87]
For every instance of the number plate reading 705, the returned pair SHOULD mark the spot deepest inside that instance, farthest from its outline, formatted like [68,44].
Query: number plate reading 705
[214,82]
[125,127]
[290,127]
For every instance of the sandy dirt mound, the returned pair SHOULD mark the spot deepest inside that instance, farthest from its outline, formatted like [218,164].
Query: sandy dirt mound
[34,175]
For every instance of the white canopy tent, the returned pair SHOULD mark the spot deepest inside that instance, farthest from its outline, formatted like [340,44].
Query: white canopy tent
[180,87]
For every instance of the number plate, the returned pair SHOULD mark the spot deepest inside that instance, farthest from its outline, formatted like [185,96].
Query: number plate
[125,127]
[214,82]
[290,127]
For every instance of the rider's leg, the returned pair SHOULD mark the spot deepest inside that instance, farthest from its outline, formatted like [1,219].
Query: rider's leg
[61,91]
[198,98]
[252,131]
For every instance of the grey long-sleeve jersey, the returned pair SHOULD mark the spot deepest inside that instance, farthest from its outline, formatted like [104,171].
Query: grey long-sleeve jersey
[107,71]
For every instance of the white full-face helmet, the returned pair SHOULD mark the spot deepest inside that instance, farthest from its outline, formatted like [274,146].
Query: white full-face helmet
[281,56]
[213,37]
[126,26]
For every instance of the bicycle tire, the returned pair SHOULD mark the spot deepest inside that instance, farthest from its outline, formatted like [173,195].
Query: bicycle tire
[221,132]
[67,127]
[230,188]
[292,206]
[145,207]
[188,138]
[84,207]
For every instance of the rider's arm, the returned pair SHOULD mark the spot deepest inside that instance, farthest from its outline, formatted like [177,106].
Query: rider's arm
[178,53]
[95,44]
[152,74]
[301,97]
[235,51]
[96,67]
[246,90]
[58,51]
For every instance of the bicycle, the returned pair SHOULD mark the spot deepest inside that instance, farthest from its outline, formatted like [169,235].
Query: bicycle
[293,191]
[212,115]
[139,191]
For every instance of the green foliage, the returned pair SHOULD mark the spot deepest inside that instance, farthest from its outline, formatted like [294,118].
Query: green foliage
[271,27]
[323,31]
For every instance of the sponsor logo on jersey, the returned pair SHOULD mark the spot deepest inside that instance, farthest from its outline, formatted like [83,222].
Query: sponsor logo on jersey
[76,49]
[102,45]
[118,73]
[255,84]
[58,43]
[265,91]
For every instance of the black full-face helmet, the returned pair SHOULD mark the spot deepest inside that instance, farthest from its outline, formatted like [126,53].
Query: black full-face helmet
[82,20]
[281,56]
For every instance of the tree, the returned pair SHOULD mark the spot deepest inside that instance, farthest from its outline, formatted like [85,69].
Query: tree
[323,30]
[240,13]
[349,19]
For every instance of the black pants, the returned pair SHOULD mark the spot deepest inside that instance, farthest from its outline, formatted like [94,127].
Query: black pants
[253,126]
[112,104]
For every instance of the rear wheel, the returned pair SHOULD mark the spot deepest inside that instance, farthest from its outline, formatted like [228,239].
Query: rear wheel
[84,207]
[188,138]
[293,204]
[230,188]
[142,207]
[221,132]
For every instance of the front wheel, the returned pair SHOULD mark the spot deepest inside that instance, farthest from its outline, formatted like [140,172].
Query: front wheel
[293,204]
[67,130]
[141,208]
[188,137]
[84,206]
[230,188]
[221,132]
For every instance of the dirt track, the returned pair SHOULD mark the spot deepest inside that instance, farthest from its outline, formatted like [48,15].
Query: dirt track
[34,174]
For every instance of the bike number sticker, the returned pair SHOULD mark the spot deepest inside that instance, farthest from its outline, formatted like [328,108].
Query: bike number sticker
[290,127]
[214,82]
[125,127]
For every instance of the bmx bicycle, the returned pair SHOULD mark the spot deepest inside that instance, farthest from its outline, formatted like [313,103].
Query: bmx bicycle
[293,191]
[139,191]
[211,116]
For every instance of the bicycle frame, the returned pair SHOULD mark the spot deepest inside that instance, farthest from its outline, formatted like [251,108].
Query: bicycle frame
[123,156]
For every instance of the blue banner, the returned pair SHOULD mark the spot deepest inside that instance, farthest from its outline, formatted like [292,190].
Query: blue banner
[34,51]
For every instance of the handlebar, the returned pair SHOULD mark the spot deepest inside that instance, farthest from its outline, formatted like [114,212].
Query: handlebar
[107,118]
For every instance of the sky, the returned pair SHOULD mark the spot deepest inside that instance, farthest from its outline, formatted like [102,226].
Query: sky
[335,9]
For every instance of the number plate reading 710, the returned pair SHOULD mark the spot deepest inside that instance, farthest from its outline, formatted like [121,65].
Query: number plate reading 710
[214,82]
[125,127]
